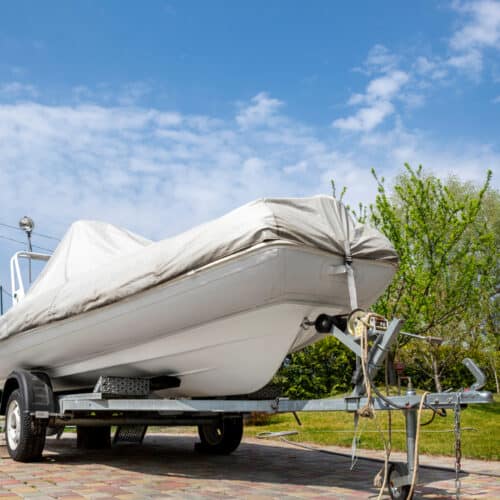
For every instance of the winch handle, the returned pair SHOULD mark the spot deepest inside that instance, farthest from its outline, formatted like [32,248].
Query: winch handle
[477,373]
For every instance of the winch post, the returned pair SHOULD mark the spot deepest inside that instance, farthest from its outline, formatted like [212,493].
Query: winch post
[377,355]
[411,436]
[401,482]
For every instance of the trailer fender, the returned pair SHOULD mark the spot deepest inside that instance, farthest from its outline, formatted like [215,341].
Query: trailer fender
[36,389]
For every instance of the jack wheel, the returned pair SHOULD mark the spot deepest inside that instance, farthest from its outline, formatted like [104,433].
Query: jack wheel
[221,437]
[24,435]
[397,470]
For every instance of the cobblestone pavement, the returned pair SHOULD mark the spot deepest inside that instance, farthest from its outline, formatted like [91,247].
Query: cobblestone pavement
[166,466]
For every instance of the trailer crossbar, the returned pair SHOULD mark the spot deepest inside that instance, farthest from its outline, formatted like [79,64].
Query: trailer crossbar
[97,402]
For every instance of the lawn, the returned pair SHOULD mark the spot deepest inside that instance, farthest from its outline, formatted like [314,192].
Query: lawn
[480,436]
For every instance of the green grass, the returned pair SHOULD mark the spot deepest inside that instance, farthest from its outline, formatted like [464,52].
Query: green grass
[336,428]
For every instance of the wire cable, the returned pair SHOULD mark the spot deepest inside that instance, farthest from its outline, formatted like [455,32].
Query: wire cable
[13,240]
[34,232]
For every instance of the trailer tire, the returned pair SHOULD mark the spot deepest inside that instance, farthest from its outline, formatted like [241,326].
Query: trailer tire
[220,438]
[24,435]
[93,438]
[398,469]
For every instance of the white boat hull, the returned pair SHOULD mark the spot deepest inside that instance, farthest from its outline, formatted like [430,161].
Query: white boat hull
[222,330]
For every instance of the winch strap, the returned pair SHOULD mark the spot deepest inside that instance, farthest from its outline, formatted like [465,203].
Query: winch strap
[351,285]
[351,282]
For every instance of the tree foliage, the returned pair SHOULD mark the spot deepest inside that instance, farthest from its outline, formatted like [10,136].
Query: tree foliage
[320,370]
[448,265]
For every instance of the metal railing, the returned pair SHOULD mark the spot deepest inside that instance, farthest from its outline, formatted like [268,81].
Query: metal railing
[16,278]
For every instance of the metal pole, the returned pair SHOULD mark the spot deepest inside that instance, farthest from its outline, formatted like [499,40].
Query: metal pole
[411,435]
[30,248]
[27,225]
[1,300]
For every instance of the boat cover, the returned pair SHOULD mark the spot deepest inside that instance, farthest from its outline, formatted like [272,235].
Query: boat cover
[97,264]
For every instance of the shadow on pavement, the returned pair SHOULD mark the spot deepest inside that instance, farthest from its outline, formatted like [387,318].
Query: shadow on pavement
[174,455]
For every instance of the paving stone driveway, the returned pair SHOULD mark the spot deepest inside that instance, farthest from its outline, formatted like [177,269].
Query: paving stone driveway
[166,466]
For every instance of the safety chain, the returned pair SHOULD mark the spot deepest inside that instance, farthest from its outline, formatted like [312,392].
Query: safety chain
[458,446]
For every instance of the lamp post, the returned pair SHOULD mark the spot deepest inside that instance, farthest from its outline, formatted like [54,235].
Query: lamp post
[27,225]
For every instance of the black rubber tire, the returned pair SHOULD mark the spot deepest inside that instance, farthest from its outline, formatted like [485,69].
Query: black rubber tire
[398,469]
[93,438]
[32,433]
[222,437]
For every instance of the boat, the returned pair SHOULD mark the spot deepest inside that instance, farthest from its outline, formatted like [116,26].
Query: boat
[216,308]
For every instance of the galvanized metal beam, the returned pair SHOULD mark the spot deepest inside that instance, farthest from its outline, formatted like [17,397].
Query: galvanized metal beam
[94,402]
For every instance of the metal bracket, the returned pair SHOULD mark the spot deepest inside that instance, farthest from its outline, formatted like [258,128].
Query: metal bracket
[122,386]
[347,340]
[130,434]
[378,353]
[479,376]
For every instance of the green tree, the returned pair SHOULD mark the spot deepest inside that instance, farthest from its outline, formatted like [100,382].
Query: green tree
[448,265]
[321,369]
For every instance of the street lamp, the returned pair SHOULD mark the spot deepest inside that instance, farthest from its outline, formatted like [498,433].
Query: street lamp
[27,225]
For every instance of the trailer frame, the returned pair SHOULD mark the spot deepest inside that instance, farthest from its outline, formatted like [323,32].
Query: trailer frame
[128,403]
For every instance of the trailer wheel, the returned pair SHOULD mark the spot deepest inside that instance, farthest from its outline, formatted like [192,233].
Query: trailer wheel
[93,438]
[222,437]
[24,435]
[397,470]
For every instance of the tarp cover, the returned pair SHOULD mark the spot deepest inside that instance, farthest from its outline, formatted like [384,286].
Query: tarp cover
[98,264]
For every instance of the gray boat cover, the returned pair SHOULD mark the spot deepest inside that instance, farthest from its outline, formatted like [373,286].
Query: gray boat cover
[97,264]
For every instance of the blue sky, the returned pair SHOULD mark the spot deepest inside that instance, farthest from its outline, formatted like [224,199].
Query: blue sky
[160,115]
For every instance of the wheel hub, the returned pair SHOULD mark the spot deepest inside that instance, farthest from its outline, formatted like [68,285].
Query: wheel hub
[13,425]
[213,434]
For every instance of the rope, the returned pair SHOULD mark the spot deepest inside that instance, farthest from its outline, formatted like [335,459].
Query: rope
[358,431]
[377,480]
[367,410]
[417,439]
[387,444]
[269,435]
[373,459]
[393,431]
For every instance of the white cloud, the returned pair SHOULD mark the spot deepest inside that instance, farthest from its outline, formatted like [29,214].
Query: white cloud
[10,90]
[133,92]
[481,27]
[128,94]
[160,172]
[123,164]
[496,100]
[386,87]
[366,119]
[470,62]
[376,100]
[259,112]
[301,167]
[434,68]
[379,59]
[479,30]
[390,85]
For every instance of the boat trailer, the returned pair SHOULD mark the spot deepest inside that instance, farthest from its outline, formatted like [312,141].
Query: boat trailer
[33,411]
